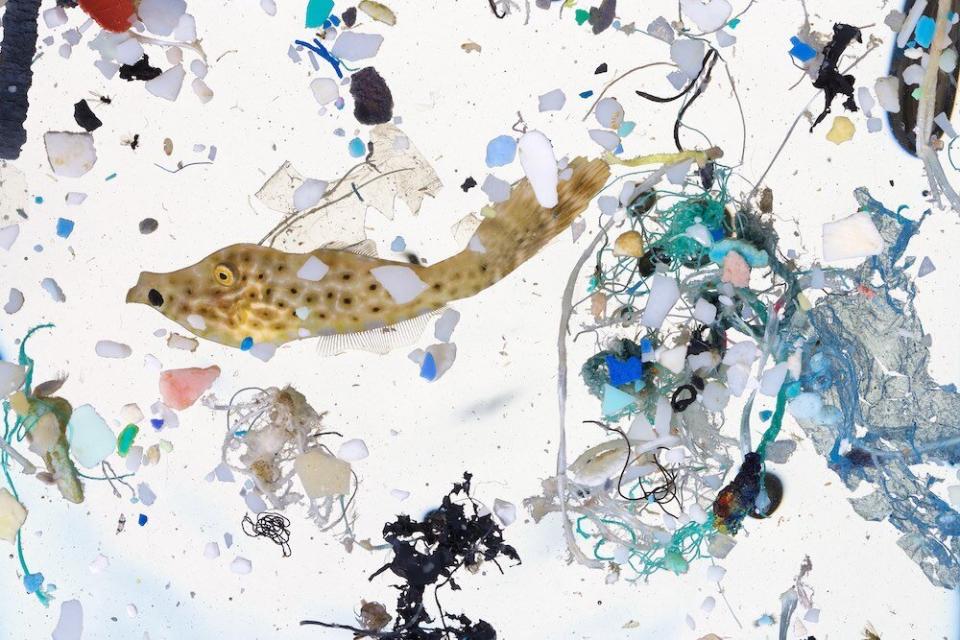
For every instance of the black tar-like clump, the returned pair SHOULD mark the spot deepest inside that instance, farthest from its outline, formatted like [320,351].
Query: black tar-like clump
[372,100]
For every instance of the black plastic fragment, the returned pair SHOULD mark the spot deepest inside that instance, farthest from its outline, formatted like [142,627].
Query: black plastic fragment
[468,184]
[85,117]
[372,100]
[829,78]
[139,71]
[601,69]
[16,75]
[601,17]
[349,16]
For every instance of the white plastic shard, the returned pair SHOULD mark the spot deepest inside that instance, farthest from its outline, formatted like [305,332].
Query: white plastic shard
[852,237]
[446,323]
[15,301]
[552,100]
[664,293]
[353,450]
[12,516]
[496,189]
[241,566]
[505,511]
[211,550]
[167,85]
[11,377]
[772,379]
[70,624]
[111,349]
[351,45]
[906,31]
[704,312]
[8,235]
[128,52]
[55,17]
[325,90]
[51,287]
[401,282]
[715,396]
[887,90]
[540,166]
[673,359]
[708,16]
[309,193]
[91,439]
[71,155]
[606,139]
[688,54]
[609,113]
[203,92]
[321,474]
[313,269]
[161,16]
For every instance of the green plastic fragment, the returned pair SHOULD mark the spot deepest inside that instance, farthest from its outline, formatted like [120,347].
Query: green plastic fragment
[126,437]
[917,93]
[317,12]
[581,16]
[674,561]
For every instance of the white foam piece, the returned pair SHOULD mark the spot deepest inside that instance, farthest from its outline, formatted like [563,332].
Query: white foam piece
[673,359]
[325,90]
[167,85]
[772,379]
[914,74]
[664,293]
[309,193]
[241,566]
[704,312]
[948,60]
[353,450]
[709,16]
[688,54]
[697,513]
[552,100]
[70,624]
[446,323]
[505,511]
[71,155]
[738,376]
[540,166]
[161,16]
[111,349]
[174,55]
[401,282]
[703,361]
[714,396]
[351,45]
[606,139]
[609,113]
[887,90]
[8,235]
[663,416]
[852,237]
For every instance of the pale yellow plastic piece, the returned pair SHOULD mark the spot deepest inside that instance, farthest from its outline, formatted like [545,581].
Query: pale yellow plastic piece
[12,516]
[322,474]
[841,131]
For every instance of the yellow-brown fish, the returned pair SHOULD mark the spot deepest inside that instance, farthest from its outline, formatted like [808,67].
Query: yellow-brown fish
[248,294]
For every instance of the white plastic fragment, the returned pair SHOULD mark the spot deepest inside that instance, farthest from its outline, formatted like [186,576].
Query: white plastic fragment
[708,16]
[552,100]
[715,573]
[71,155]
[540,166]
[174,55]
[211,550]
[107,68]
[241,566]
[913,74]
[146,494]
[55,17]
[12,516]
[609,113]
[677,173]
[887,90]
[852,237]
[8,235]
[673,359]
[704,312]
[446,323]
[186,30]
[496,189]
[606,139]
[12,377]
[505,511]
[664,293]
[203,92]
[111,349]
[325,90]
[167,85]
[254,502]
[772,379]
[948,60]
[50,286]
[353,450]
[263,351]
[865,100]
[14,301]
[698,514]
[399,494]
[269,7]
[132,610]
[128,51]
[309,193]
[99,564]
[313,269]
[70,624]
[714,396]
[351,45]
[199,68]
[91,439]
[402,283]
[161,16]
[688,54]
[944,123]
[74,198]
[805,406]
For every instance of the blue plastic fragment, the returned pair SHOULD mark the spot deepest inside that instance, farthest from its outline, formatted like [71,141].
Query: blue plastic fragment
[38,199]
[317,12]
[801,50]
[156,423]
[626,128]
[501,151]
[618,150]
[923,33]
[32,582]
[335,20]
[357,148]
[733,23]
[428,368]
[64,227]
[926,267]
[645,346]
[765,414]
[398,244]
[246,344]
[716,234]
[110,177]
[586,94]
[615,401]
[142,520]
[624,371]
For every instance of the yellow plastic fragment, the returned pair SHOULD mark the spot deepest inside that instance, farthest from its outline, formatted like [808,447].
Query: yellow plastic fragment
[841,131]
[12,516]
[19,403]
[488,212]
[379,12]
[803,302]
[321,474]
[628,243]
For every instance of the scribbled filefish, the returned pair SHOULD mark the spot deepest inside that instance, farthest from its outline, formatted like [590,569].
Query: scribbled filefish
[248,294]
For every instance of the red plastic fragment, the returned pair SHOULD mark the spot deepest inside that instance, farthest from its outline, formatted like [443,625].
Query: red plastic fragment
[112,15]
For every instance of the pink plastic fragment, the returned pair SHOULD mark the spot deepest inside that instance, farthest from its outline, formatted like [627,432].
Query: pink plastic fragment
[736,271]
[180,388]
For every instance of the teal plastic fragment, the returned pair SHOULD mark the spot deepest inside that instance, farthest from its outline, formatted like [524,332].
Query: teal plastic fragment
[615,401]
[126,437]
[317,12]
[754,257]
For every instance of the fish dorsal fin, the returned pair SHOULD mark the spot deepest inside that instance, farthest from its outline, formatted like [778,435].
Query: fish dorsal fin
[382,340]
[366,248]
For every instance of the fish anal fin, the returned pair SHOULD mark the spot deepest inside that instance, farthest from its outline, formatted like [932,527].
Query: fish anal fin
[381,340]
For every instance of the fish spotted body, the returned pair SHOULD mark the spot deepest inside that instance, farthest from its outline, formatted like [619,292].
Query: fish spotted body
[249,294]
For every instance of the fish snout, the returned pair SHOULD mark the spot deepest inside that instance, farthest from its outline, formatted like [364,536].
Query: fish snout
[148,290]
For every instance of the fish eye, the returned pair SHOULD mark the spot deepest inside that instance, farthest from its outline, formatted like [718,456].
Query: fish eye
[224,275]
[155,298]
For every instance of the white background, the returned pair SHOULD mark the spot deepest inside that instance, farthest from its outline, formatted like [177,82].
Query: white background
[494,413]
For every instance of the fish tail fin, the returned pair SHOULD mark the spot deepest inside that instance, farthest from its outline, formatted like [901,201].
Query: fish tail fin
[520,228]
